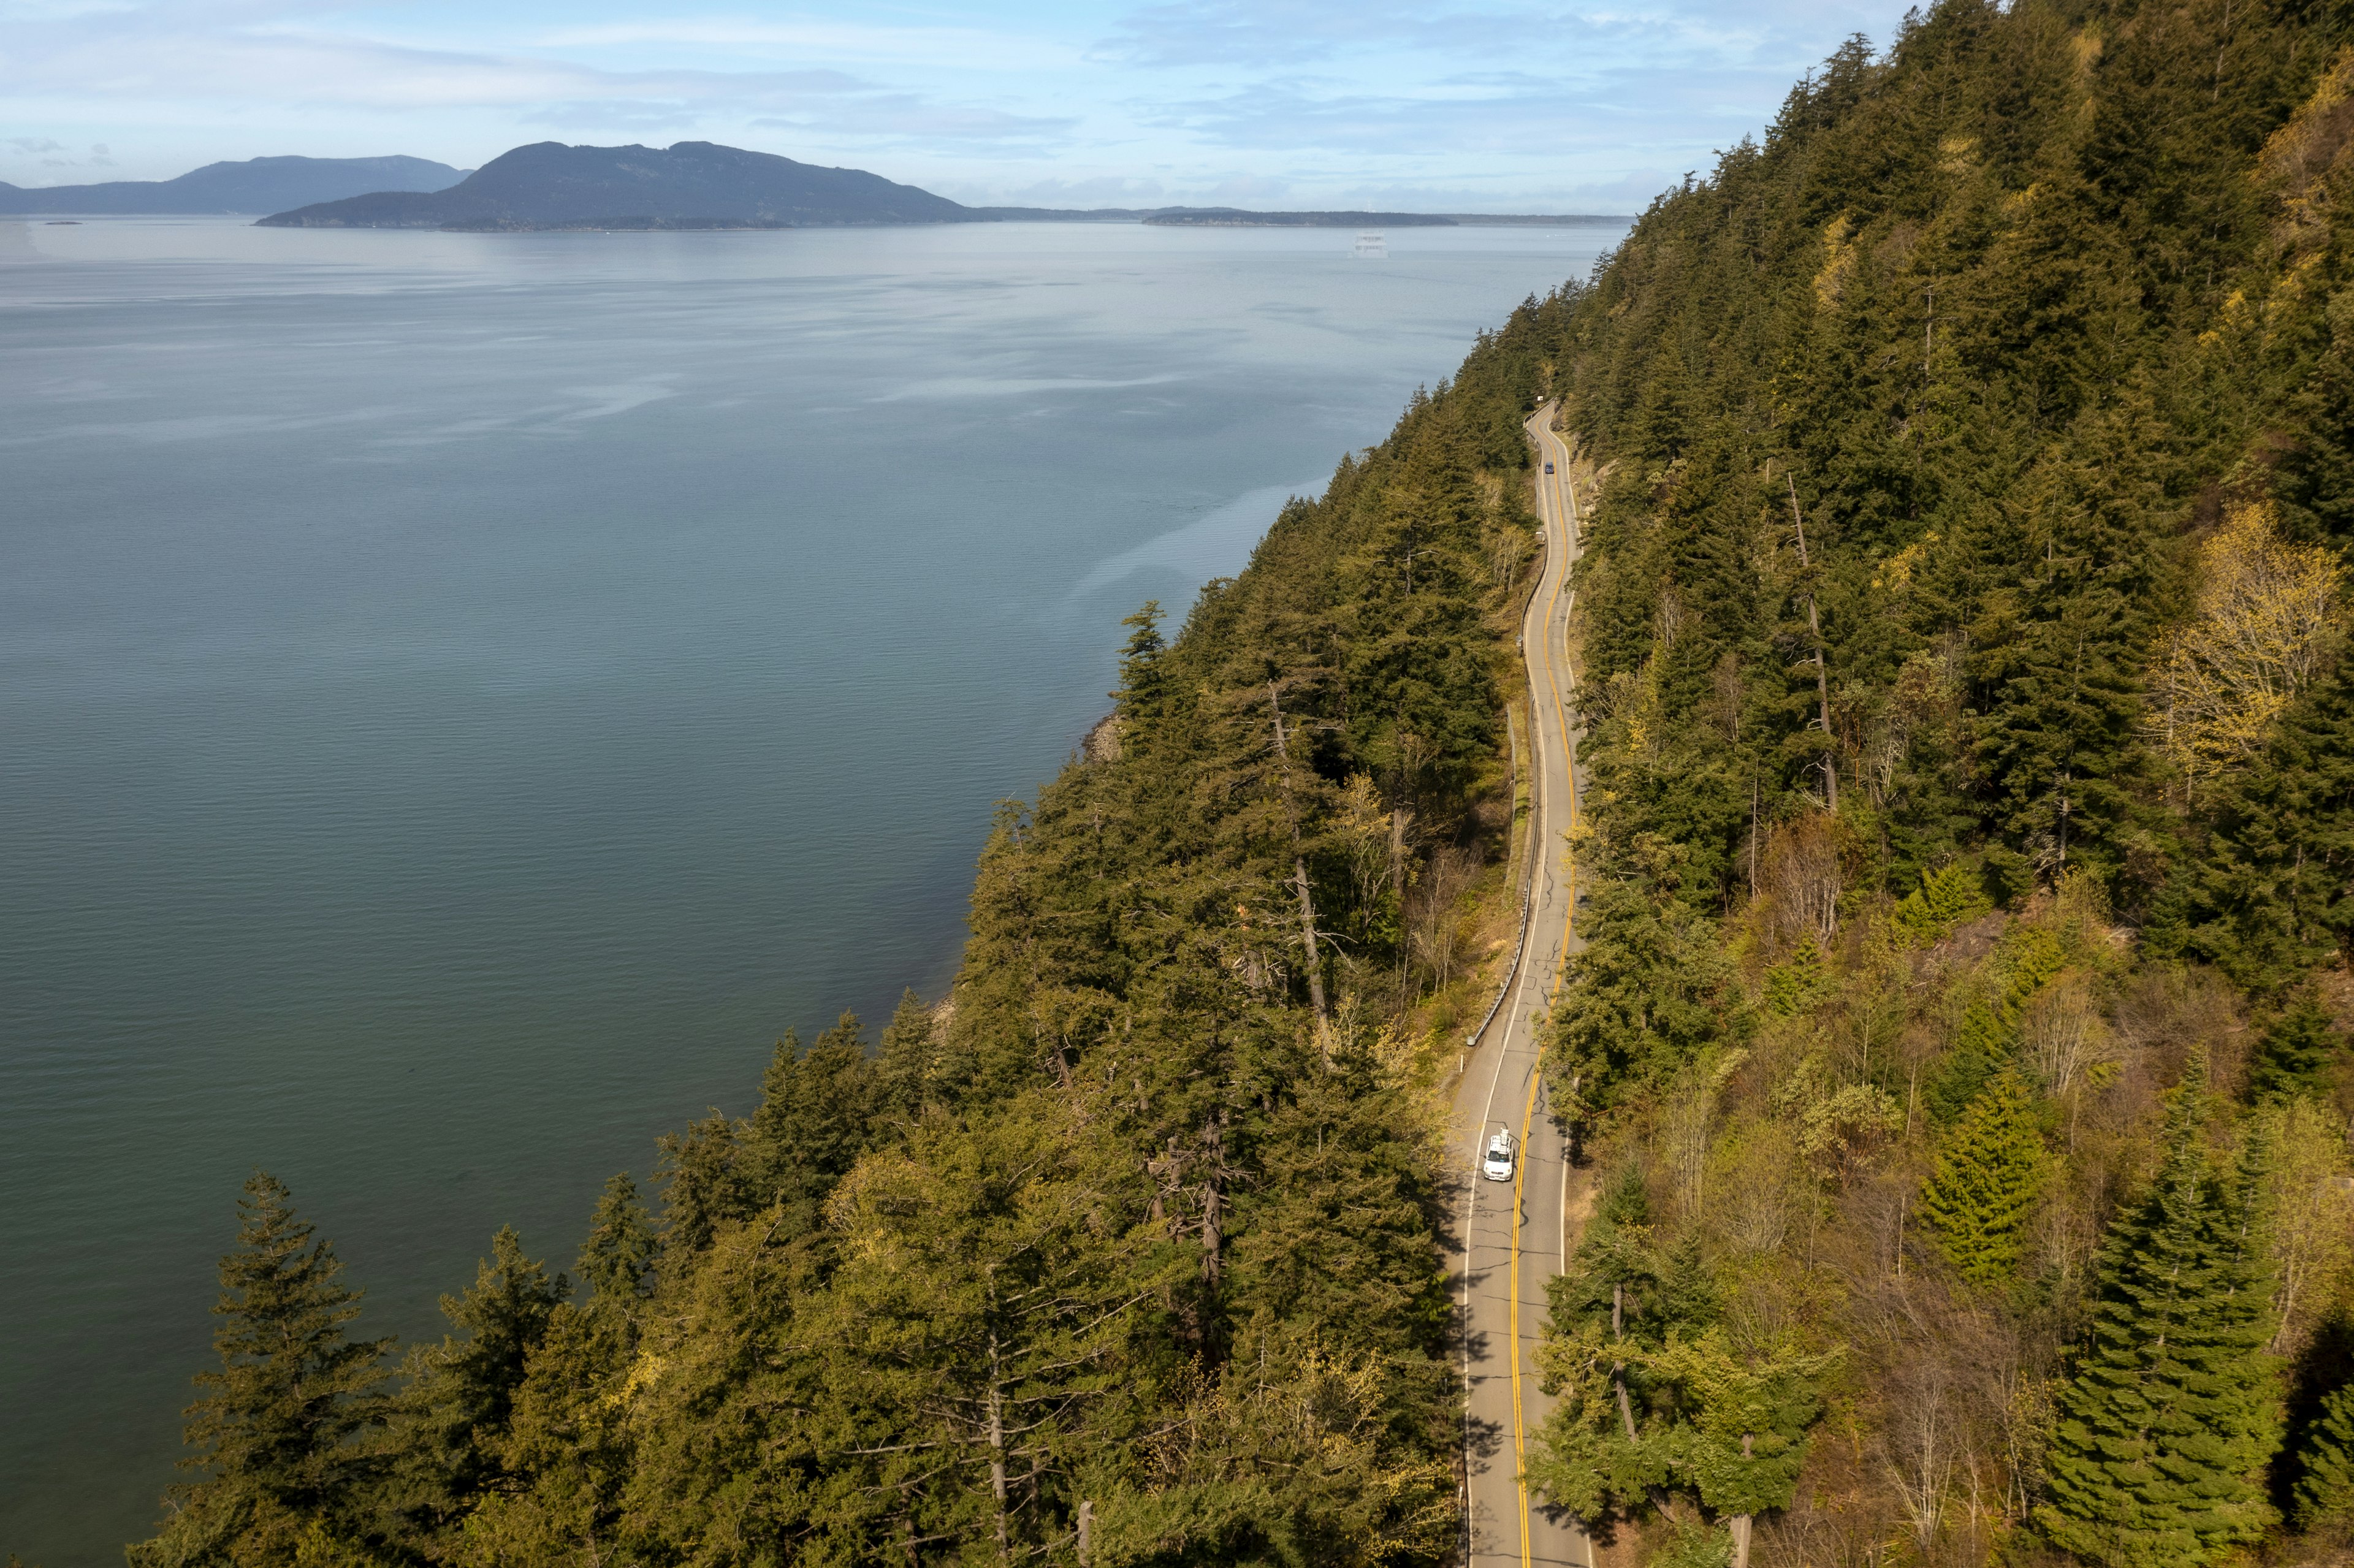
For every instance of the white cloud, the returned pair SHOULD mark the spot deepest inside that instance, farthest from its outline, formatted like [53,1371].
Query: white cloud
[963,49]
[1461,105]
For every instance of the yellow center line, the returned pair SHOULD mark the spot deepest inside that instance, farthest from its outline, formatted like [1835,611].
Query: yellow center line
[1528,1114]
[1520,1429]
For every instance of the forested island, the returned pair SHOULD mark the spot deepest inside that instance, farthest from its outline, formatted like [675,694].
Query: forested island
[702,186]
[1958,1059]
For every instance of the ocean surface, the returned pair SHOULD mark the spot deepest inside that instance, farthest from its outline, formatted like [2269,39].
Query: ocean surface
[464,696]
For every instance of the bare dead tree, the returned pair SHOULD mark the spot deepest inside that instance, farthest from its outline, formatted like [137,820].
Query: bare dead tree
[1299,882]
[1800,871]
[1822,671]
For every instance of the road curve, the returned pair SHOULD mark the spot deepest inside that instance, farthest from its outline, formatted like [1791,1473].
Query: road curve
[1511,1237]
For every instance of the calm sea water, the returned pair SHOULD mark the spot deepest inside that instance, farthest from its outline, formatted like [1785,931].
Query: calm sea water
[462,696]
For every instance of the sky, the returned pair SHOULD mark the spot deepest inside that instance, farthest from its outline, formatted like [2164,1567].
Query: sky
[1495,105]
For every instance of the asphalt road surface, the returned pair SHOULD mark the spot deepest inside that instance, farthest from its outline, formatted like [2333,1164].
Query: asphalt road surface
[1512,1235]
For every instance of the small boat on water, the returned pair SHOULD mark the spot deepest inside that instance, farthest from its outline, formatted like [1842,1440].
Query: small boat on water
[1371,246]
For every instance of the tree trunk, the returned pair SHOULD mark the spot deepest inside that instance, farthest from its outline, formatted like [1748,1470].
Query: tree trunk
[1741,1520]
[1299,880]
[1822,675]
[1399,819]
[1619,1368]
[1213,1232]
[997,1451]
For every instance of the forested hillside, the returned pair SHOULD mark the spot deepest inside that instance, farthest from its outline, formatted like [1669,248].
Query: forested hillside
[1959,1055]
[1961,1042]
[1131,1245]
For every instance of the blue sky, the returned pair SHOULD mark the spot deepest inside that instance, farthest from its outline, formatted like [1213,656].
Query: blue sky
[1494,105]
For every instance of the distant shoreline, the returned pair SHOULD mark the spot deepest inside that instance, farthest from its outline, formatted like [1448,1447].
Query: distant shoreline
[1161,218]
[1238,217]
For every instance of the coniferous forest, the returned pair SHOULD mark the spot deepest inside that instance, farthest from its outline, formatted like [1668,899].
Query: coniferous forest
[1959,1061]
[1134,1237]
[1960,1044]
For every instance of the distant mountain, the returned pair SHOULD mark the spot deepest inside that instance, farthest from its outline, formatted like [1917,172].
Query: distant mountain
[700,185]
[258,184]
[693,185]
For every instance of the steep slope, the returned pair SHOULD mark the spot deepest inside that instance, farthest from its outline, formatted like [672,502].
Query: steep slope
[1963,617]
[1134,1241]
[690,185]
[258,184]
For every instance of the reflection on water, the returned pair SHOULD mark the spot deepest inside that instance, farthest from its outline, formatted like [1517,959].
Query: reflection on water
[1215,544]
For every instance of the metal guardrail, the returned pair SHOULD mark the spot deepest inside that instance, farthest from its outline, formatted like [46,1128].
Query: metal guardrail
[1529,870]
[1528,902]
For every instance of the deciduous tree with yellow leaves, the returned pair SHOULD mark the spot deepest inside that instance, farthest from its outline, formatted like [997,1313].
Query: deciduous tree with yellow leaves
[2266,625]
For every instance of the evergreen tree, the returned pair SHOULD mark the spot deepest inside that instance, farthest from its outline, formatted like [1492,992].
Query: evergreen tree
[704,1177]
[727,1432]
[2325,1483]
[567,1448]
[1143,685]
[2314,479]
[1990,1170]
[1620,1427]
[1981,1047]
[1986,1038]
[618,1253]
[1750,1413]
[1946,898]
[1651,990]
[273,1433]
[1799,981]
[567,1453]
[2268,896]
[977,1340]
[908,1068]
[449,1424]
[2164,1430]
[1337,1226]
[2295,1052]
[812,1123]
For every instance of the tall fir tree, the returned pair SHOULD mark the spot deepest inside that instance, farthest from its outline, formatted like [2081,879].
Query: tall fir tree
[1946,898]
[274,1431]
[812,1125]
[449,1426]
[1619,1428]
[2269,897]
[907,1069]
[2157,1456]
[2315,476]
[1989,1171]
[1143,682]
[2295,1052]
[618,1253]
[2324,1482]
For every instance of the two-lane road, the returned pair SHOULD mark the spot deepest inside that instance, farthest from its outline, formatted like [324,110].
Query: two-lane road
[1511,1235]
